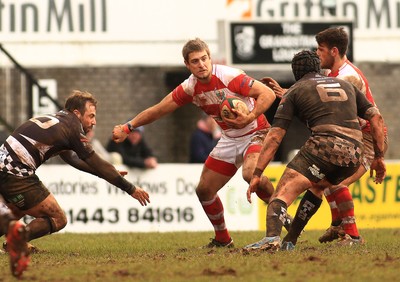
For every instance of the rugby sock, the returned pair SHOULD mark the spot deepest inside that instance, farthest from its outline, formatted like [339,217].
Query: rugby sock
[345,206]
[330,197]
[40,227]
[215,213]
[276,216]
[308,206]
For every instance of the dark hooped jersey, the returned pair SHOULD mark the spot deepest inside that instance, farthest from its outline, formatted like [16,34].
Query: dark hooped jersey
[329,106]
[41,138]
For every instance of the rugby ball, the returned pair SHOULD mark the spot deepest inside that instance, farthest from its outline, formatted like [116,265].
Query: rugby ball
[229,103]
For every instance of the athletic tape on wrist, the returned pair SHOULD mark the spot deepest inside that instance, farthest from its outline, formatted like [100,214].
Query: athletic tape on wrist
[378,155]
[127,128]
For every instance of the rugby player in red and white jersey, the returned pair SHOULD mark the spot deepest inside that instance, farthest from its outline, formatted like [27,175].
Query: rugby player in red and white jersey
[242,136]
[332,48]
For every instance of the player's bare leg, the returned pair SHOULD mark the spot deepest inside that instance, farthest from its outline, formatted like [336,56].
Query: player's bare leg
[308,206]
[289,187]
[49,218]
[342,209]
[210,183]
[265,188]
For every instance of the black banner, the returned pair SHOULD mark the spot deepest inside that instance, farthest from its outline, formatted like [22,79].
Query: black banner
[258,43]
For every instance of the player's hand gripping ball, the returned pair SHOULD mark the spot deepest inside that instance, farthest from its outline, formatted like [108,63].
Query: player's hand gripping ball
[229,103]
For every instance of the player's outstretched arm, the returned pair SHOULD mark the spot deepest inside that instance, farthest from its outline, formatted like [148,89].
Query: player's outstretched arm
[119,134]
[141,195]
[378,166]
[270,146]
[164,107]
[71,158]
[253,186]
[107,171]
[274,85]
[377,132]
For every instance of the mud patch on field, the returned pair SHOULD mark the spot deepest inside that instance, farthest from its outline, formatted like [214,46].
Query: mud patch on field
[220,272]
[314,258]
[122,272]
[388,259]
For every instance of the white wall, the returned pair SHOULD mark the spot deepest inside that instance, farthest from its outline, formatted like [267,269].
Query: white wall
[93,205]
[152,32]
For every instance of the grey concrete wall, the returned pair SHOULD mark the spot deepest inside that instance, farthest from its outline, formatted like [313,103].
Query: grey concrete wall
[123,92]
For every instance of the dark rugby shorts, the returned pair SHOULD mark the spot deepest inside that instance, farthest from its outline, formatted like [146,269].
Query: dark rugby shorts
[23,192]
[316,169]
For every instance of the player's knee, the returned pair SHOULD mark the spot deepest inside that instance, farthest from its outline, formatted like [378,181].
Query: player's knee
[62,222]
[205,193]
[247,175]
[318,192]
[57,223]
[201,192]
[334,189]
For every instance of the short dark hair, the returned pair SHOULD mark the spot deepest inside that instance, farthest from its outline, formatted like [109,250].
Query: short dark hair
[194,45]
[77,101]
[334,37]
[305,62]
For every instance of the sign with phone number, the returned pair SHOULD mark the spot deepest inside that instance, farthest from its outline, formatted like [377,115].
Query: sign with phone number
[376,205]
[93,205]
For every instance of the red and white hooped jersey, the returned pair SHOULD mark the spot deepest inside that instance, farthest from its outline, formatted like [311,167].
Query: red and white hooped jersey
[225,81]
[348,69]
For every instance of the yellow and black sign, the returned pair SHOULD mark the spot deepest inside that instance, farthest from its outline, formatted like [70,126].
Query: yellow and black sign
[376,205]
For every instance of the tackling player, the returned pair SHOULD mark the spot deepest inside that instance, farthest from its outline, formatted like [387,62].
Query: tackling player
[34,142]
[332,48]
[333,152]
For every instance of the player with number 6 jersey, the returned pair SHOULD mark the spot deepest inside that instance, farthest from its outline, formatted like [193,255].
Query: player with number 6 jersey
[330,107]
[39,139]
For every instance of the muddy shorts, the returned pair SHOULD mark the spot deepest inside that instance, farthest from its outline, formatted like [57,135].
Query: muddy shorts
[316,169]
[23,192]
